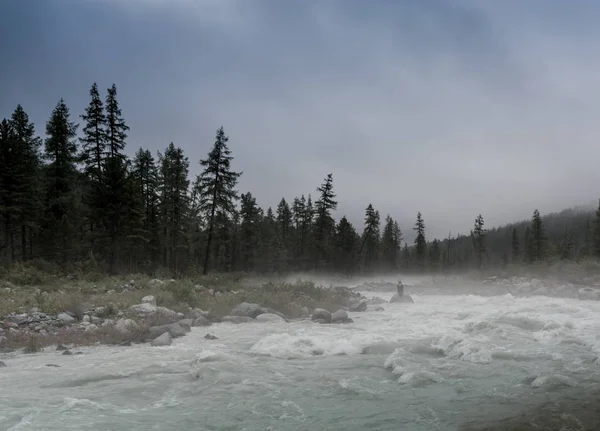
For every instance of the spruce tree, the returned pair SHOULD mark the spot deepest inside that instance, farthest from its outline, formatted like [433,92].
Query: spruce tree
[516,247]
[250,231]
[61,212]
[174,204]
[94,140]
[116,129]
[420,242]
[216,188]
[346,246]
[146,181]
[538,237]
[391,244]
[324,224]
[596,237]
[20,168]
[435,254]
[370,238]
[478,235]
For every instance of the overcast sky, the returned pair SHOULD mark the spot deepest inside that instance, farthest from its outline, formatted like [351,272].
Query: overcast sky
[451,108]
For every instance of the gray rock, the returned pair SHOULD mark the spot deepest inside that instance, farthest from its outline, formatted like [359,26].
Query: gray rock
[339,316]
[186,324]
[375,308]
[3,340]
[125,326]
[201,321]
[67,352]
[155,282]
[61,347]
[196,312]
[320,321]
[269,317]
[321,314]
[247,309]
[162,340]
[376,301]
[400,299]
[174,330]
[237,319]
[359,306]
[2,364]
[143,309]
[64,317]
[211,337]
[149,300]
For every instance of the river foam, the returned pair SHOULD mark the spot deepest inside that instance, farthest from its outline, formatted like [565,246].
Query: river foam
[442,363]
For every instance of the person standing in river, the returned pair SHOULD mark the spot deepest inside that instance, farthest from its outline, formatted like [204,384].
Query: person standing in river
[400,288]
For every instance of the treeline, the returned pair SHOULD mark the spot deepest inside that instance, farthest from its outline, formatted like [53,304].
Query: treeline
[75,199]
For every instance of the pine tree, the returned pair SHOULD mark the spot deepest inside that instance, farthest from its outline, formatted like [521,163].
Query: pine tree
[324,223]
[516,247]
[61,212]
[529,246]
[567,246]
[420,242]
[111,201]
[370,238]
[250,231]
[216,188]
[93,142]
[391,240]
[116,129]
[478,235]
[538,237]
[596,237]
[435,254]
[285,228]
[20,169]
[145,180]
[174,204]
[346,246]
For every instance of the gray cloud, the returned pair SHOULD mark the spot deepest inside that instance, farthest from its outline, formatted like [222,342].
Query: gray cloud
[448,108]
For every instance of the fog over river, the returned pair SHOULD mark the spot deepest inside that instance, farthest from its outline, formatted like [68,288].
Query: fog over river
[446,362]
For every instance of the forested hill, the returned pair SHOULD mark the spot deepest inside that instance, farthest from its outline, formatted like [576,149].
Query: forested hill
[568,234]
[73,200]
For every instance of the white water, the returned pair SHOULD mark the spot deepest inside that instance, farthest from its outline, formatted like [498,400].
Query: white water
[437,364]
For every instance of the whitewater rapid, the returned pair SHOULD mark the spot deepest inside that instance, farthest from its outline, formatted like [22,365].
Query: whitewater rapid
[442,363]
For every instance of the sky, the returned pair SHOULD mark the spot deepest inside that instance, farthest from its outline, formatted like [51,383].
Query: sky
[447,107]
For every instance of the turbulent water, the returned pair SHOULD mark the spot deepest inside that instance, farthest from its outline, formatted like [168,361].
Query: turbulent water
[442,363]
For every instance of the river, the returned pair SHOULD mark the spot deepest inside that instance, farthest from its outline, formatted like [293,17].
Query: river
[446,362]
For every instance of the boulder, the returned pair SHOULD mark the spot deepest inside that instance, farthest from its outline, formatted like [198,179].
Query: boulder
[162,340]
[211,337]
[174,330]
[237,319]
[247,309]
[375,308]
[269,317]
[321,314]
[201,321]
[143,309]
[150,299]
[125,326]
[376,301]
[186,324]
[403,298]
[339,316]
[2,364]
[65,318]
[359,306]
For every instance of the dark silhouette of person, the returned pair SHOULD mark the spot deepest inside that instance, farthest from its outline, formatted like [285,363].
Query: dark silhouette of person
[400,288]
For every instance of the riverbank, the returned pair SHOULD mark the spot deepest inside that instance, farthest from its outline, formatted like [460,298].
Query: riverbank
[71,312]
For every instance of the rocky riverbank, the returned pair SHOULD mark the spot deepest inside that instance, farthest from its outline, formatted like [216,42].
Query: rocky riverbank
[147,321]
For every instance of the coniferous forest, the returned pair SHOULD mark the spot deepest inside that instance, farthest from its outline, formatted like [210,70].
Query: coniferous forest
[75,200]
